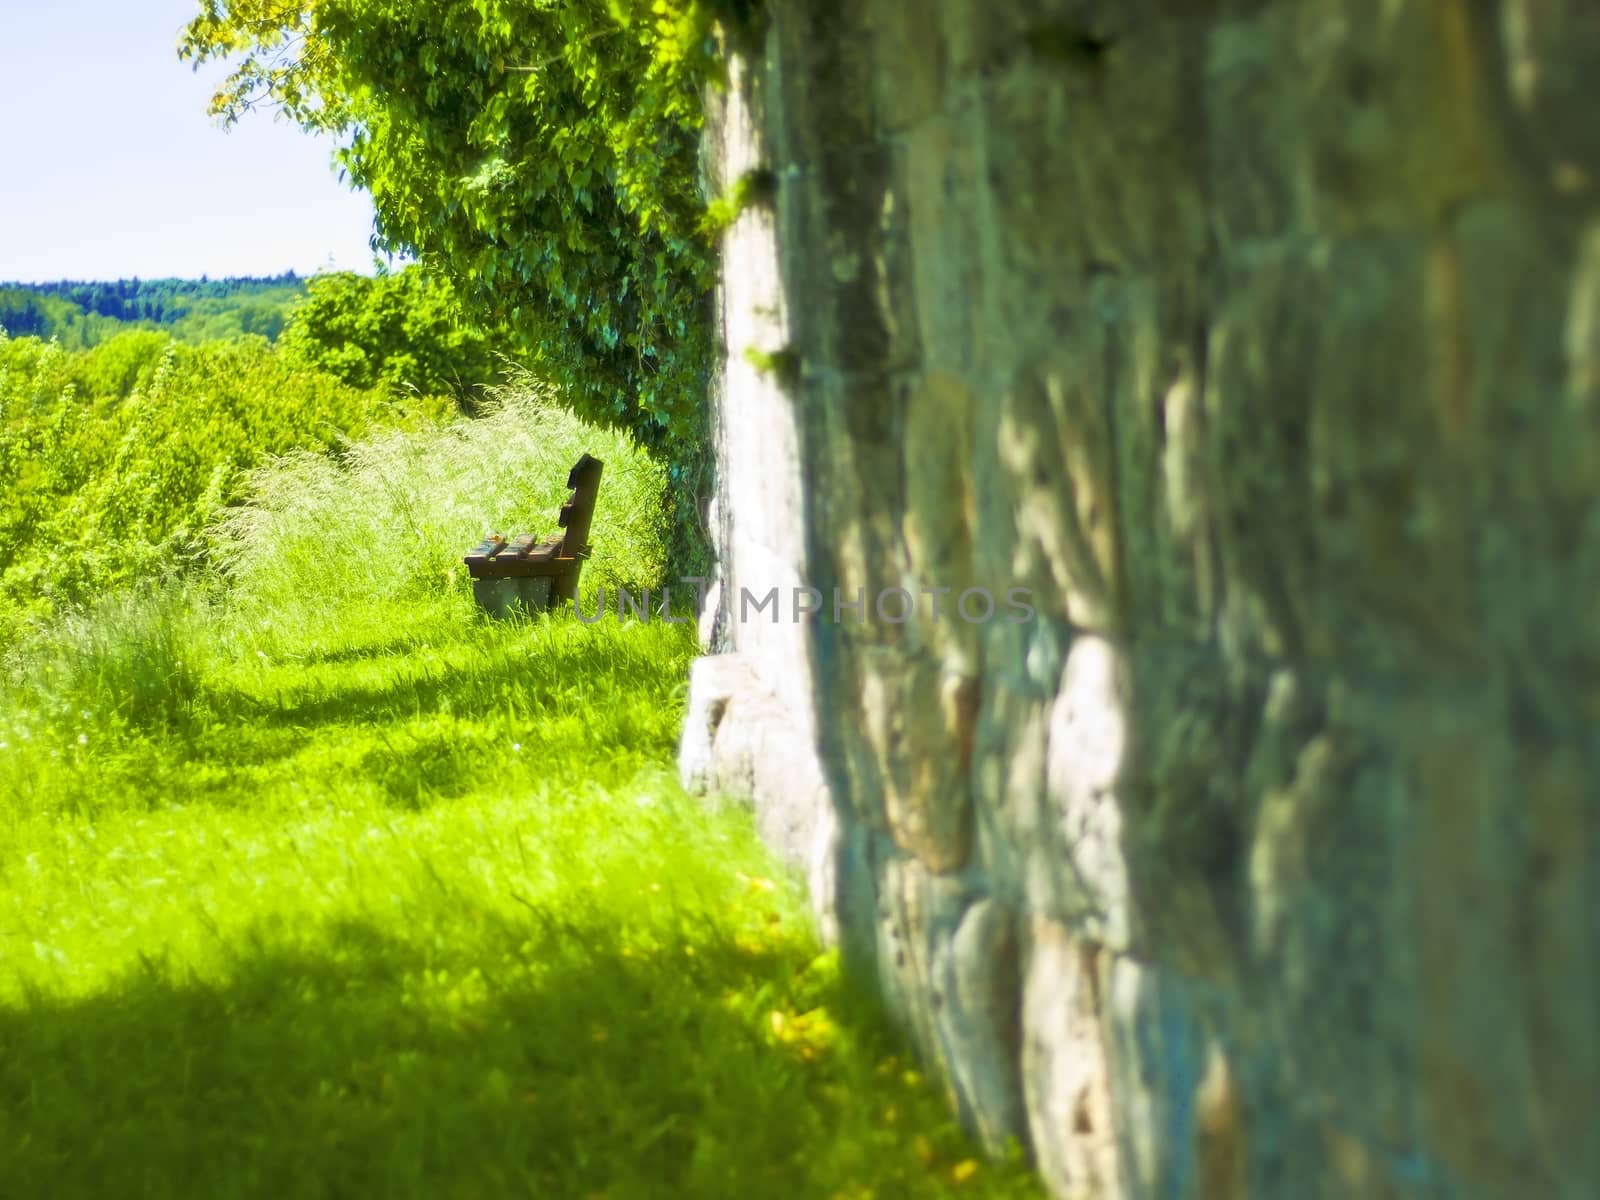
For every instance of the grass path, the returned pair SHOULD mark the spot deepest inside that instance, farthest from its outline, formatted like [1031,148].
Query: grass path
[407,905]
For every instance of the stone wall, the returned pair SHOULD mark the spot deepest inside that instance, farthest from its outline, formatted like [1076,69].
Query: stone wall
[1260,341]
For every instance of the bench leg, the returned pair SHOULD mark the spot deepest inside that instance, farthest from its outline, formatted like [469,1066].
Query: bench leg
[502,597]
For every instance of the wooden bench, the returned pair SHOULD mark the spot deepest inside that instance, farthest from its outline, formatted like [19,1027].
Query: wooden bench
[524,573]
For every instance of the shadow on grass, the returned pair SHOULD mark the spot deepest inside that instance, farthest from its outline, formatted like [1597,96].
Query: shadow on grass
[554,1063]
[427,686]
[435,728]
[359,651]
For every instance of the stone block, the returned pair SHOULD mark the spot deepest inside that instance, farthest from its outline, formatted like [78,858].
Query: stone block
[1551,58]
[741,740]
[919,722]
[936,175]
[908,64]
[1066,1078]
[977,997]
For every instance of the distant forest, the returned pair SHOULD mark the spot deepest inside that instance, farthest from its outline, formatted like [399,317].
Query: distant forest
[82,315]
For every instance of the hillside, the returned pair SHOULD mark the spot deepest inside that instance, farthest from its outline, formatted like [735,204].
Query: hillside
[82,314]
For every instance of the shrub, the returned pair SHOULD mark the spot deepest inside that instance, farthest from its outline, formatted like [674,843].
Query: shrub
[101,488]
[404,331]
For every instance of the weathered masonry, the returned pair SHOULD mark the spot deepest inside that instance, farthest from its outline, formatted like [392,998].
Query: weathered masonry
[1260,340]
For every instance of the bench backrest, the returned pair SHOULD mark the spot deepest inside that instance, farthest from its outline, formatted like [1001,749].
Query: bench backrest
[576,516]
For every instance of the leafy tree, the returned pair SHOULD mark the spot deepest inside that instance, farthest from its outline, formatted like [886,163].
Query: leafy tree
[22,314]
[541,155]
[119,365]
[81,315]
[404,331]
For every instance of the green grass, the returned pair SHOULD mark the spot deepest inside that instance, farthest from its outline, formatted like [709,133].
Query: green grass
[316,892]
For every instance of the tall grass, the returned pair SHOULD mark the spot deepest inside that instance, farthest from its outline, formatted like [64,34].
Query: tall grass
[390,517]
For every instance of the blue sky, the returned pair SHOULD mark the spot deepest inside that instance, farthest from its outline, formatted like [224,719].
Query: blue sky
[111,168]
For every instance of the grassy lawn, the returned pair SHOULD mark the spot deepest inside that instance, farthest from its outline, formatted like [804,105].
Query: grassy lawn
[399,903]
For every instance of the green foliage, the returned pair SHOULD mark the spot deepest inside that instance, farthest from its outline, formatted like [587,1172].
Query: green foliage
[757,187]
[82,315]
[541,156]
[404,331]
[112,462]
[121,365]
[26,313]
[783,364]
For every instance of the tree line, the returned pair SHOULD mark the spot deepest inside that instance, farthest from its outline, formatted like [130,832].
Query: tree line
[82,314]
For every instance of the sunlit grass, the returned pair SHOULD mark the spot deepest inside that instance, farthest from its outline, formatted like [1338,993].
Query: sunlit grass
[341,894]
